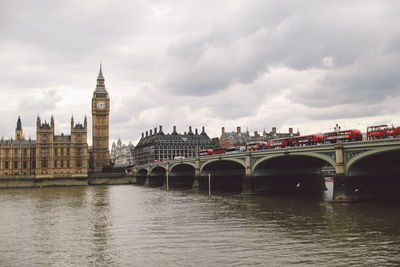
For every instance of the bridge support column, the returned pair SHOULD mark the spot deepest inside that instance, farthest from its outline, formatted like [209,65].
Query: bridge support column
[196,185]
[341,188]
[248,179]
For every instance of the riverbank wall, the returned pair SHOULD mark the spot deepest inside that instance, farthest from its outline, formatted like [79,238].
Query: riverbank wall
[90,179]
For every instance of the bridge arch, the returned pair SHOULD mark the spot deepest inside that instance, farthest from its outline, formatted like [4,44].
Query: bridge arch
[158,170]
[181,164]
[325,158]
[240,162]
[354,160]
[142,171]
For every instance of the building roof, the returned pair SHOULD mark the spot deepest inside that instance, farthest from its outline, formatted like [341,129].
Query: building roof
[174,137]
[100,87]
[17,142]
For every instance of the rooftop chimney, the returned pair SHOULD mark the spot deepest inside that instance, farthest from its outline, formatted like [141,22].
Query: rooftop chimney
[151,132]
[196,132]
[238,130]
[142,135]
[174,131]
[155,130]
[190,131]
[273,130]
[291,131]
[256,134]
[160,131]
[203,131]
[147,133]
[223,130]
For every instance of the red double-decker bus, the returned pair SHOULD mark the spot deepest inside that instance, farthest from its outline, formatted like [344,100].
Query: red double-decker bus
[344,136]
[277,143]
[205,152]
[219,150]
[256,145]
[382,131]
[311,139]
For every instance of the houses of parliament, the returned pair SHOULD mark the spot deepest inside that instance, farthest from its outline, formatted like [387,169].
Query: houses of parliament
[60,156]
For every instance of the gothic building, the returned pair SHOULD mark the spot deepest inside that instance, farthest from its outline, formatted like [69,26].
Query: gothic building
[49,155]
[53,156]
[157,146]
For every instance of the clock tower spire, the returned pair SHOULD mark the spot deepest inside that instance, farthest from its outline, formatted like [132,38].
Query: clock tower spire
[100,125]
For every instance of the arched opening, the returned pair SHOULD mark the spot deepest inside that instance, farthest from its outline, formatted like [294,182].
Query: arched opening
[141,176]
[181,175]
[157,176]
[290,174]
[225,175]
[374,175]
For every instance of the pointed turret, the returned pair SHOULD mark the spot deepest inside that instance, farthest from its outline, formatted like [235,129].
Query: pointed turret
[19,125]
[100,88]
[18,130]
[72,122]
[52,122]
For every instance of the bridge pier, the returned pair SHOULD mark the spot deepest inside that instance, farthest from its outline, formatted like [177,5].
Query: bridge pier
[248,185]
[248,179]
[342,190]
[196,177]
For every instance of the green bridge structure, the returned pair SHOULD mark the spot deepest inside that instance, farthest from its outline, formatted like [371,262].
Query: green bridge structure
[364,170]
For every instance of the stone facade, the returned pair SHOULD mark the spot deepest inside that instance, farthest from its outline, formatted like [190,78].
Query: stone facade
[122,155]
[157,146]
[58,156]
[100,126]
[49,156]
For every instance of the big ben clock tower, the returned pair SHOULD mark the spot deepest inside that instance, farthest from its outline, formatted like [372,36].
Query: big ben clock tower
[100,122]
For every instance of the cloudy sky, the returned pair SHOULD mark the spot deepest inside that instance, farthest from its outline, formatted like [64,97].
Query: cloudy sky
[256,64]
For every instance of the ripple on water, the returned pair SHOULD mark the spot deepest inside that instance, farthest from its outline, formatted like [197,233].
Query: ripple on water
[131,225]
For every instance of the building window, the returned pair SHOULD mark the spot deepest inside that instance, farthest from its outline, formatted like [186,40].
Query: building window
[25,152]
[6,165]
[67,151]
[25,165]
[55,151]
[6,151]
[44,152]
[62,151]
[62,164]
[78,151]
[34,152]
[55,164]
[15,152]
[78,163]
[33,164]
[67,163]
[44,163]
[78,138]
[15,164]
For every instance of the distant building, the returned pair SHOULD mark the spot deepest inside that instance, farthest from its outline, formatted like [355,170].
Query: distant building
[122,155]
[237,138]
[274,135]
[162,147]
[240,138]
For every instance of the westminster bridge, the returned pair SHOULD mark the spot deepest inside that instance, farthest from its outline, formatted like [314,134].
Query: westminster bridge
[364,170]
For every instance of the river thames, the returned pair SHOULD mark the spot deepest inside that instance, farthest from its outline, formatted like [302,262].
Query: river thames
[139,226]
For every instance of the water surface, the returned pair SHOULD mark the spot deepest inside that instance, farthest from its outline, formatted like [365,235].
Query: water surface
[134,225]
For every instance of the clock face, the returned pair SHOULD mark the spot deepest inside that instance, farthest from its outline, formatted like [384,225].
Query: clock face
[101,105]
